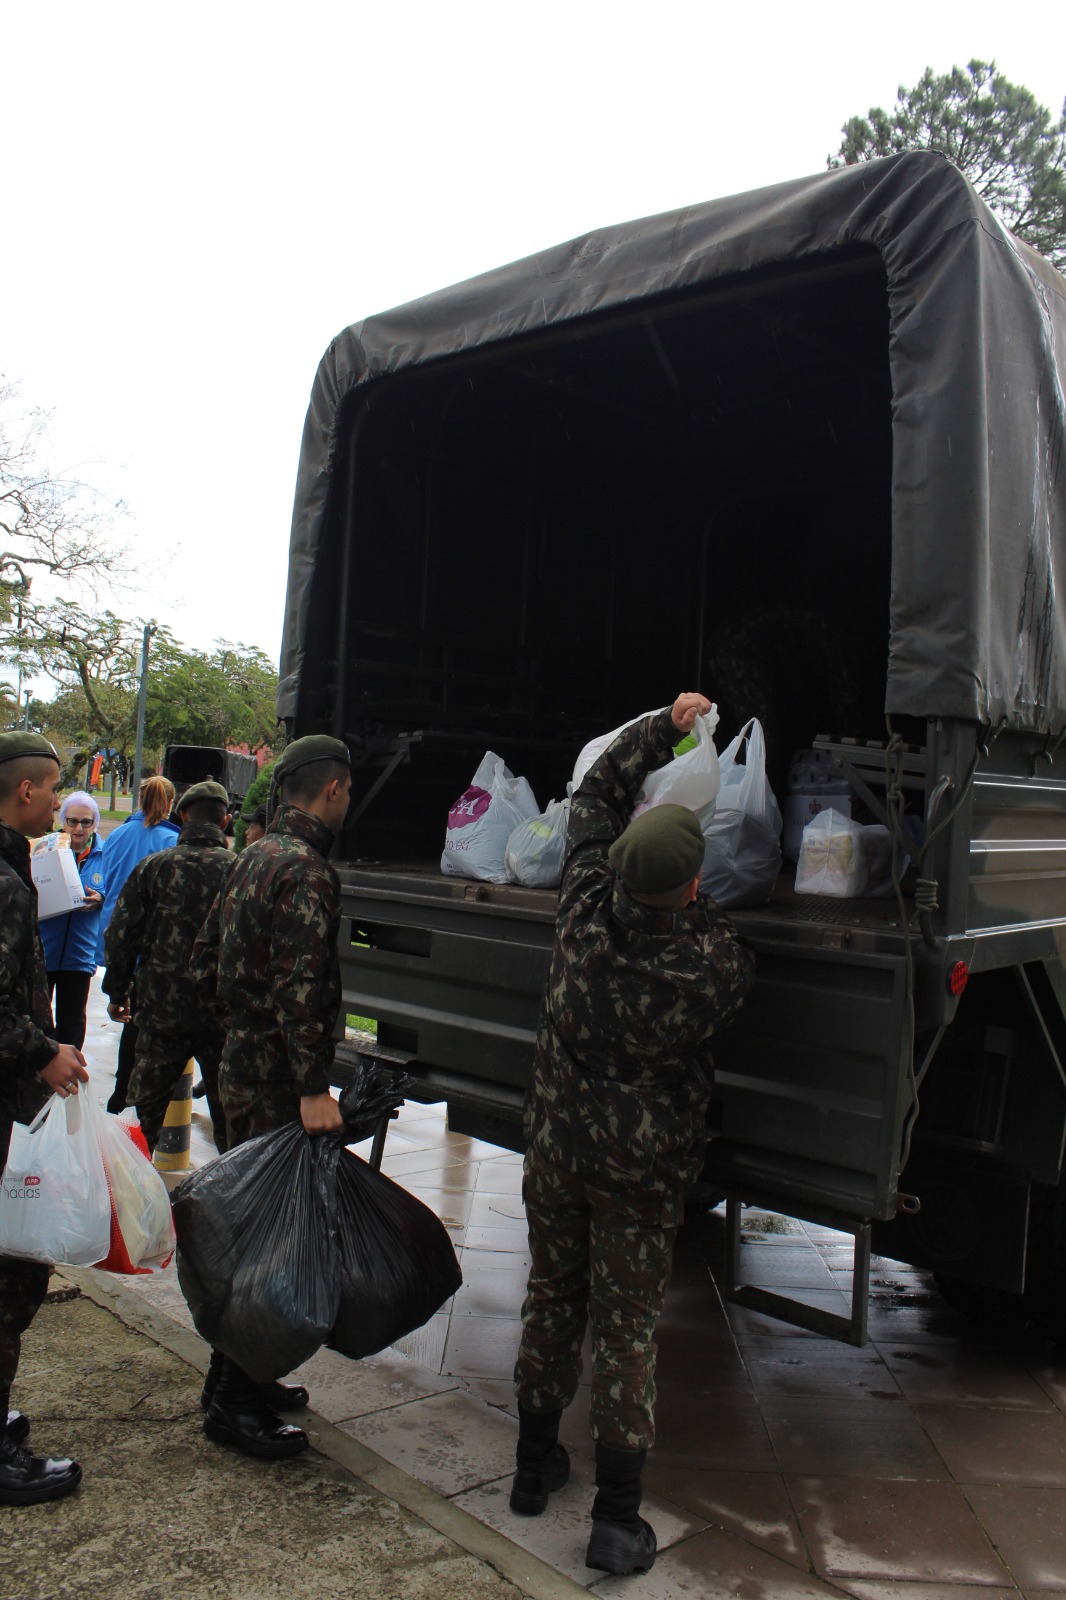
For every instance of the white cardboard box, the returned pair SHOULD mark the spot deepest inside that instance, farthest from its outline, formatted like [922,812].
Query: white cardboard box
[59,886]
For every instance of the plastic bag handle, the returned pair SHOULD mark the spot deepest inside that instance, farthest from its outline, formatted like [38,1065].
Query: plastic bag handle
[72,1108]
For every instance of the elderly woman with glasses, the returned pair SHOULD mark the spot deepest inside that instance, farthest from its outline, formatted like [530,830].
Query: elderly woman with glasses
[70,940]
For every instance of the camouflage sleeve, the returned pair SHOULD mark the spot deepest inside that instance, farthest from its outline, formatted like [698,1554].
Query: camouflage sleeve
[204,961]
[601,807]
[730,962]
[125,932]
[23,1045]
[304,966]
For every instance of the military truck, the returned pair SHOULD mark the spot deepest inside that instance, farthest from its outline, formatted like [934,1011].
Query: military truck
[186,764]
[801,449]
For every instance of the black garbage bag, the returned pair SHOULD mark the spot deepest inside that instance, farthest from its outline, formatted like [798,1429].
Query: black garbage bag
[257,1252]
[370,1094]
[397,1264]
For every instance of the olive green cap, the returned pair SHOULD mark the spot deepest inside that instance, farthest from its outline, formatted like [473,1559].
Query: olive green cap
[660,850]
[208,790]
[313,747]
[15,745]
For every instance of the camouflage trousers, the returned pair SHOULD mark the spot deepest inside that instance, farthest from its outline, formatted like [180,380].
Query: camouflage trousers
[253,1108]
[23,1285]
[600,1256]
[159,1062]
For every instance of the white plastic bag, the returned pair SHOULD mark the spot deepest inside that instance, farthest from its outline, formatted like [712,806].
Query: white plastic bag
[482,820]
[594,749]
[142,1217]
[54,1200]
[743,839]
[691,780]
[536,850]
[832,858]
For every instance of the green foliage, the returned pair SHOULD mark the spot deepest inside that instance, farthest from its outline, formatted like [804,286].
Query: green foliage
[256,796]
[994,131]
[225,697]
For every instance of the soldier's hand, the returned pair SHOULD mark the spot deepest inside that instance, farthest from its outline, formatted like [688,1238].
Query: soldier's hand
[119,1010]
[686,708]
[320,1113]
[65,1071]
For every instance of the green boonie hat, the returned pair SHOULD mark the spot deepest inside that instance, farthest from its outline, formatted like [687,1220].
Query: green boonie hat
[209,790]
[313,747]
[14,745]
[662,849]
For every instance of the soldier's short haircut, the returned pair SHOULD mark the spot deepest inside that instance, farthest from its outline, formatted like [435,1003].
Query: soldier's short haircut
[204,811]
[308,782]
[37,768]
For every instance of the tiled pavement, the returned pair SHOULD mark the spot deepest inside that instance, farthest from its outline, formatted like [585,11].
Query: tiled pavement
[931,1464]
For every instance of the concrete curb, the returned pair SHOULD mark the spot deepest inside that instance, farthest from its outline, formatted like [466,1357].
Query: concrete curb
[526,1571]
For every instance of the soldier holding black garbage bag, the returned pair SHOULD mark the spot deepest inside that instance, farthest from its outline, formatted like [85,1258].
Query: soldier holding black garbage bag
[266,962]
[642,974]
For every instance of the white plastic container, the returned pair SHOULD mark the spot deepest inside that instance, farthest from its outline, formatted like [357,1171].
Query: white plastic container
[811,788]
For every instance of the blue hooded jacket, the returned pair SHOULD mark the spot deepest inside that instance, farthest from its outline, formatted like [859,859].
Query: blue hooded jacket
[70,940]
[122,850]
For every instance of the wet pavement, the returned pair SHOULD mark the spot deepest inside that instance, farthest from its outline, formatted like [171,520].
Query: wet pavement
[930,1464]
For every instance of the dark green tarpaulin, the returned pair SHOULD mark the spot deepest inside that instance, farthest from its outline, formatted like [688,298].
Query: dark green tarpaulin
[978,369]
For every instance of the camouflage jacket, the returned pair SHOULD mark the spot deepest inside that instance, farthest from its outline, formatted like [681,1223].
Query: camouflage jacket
[622,1075]
[267,956]
[27,1040]
[160,910]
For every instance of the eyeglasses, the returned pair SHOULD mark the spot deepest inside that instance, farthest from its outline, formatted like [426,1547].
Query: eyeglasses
[78,822]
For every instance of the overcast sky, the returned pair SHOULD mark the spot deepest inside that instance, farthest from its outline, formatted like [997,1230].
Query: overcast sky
[196,199]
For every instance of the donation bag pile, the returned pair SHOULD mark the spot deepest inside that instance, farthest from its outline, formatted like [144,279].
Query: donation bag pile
[482,820]
[289,1242]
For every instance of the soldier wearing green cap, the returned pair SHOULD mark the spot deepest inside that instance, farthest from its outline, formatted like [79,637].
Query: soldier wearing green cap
[157,916]
[643,973]
[32,1066]
[266,958]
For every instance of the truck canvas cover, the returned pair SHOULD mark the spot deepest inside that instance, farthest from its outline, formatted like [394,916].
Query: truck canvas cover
[977,367]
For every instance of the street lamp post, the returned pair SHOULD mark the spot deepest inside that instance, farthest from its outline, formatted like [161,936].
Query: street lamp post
[26,718]
[149,629]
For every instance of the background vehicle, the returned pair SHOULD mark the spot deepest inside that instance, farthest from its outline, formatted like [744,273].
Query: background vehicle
[803,449]
[186,764]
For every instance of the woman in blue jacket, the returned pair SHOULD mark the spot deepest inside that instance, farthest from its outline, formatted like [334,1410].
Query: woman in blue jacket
[70,940]
[146,831]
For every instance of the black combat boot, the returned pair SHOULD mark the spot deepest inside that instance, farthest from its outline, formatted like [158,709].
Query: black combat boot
[18,1426]
[240,1417]
[25,1479]
[278,1396]
[621,1541]
[542,1463]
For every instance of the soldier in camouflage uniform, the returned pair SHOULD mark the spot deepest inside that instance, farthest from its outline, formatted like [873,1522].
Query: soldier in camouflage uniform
[32,1066]
[159,912]
[266,960]
[643,974]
